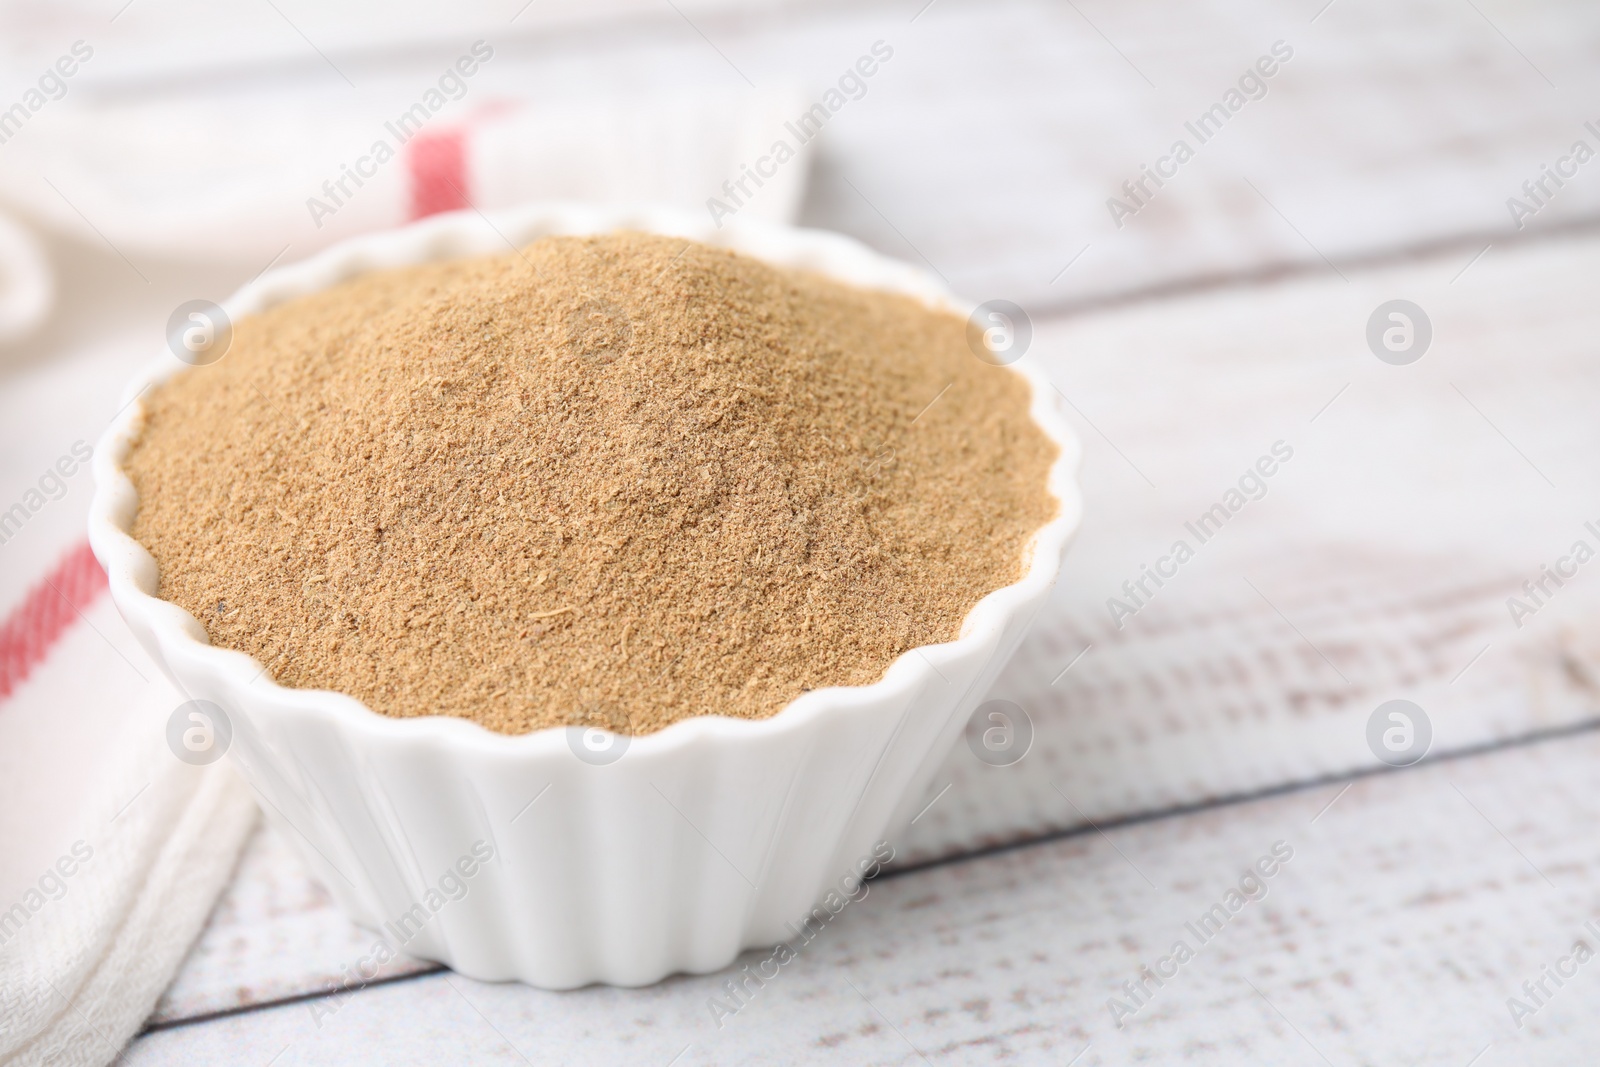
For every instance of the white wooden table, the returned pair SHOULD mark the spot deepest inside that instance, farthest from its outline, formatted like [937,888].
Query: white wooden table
[1230,714]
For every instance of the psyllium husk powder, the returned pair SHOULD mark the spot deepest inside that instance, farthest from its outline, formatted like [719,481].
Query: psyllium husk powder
[615,481]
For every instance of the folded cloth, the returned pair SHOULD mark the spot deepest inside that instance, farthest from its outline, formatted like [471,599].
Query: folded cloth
[277,180]
[125,846]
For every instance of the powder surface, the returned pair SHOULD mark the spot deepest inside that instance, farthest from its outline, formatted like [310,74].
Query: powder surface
[614,481]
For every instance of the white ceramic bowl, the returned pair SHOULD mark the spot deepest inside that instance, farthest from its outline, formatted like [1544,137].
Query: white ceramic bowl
[702,840]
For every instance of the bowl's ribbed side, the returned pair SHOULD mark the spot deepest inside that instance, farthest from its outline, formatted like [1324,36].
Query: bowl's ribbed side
[706,838]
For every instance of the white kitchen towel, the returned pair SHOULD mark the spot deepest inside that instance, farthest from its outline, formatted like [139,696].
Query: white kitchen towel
[261,179]
[27,284]
[116,848]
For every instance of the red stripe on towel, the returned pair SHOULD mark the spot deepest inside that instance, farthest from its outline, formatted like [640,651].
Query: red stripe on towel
[438,163]
[50,607]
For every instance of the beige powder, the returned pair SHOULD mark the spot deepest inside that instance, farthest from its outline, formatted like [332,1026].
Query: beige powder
[620,480]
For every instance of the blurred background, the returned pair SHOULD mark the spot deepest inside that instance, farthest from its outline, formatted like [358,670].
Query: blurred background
[1193,306]
[986,149]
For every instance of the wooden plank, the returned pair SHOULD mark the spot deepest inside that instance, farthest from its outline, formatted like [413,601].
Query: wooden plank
[990,146]
[1378,564]
[1413,905]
